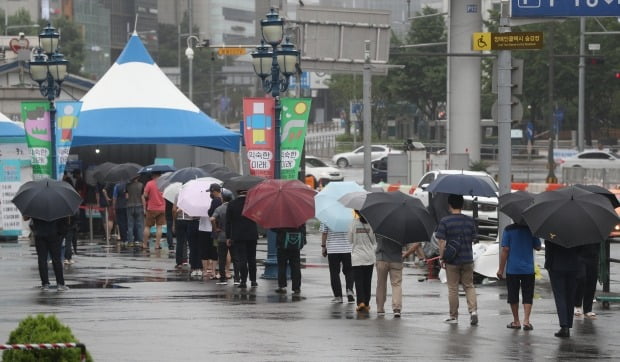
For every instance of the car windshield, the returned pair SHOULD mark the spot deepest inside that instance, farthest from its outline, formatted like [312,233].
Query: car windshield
[315,162]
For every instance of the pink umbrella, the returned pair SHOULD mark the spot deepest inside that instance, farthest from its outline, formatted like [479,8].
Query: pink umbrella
[194,197]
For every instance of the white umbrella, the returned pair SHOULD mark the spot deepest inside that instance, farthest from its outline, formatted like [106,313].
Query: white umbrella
[171,191]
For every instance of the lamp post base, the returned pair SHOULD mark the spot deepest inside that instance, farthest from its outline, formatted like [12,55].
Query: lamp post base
[271,263]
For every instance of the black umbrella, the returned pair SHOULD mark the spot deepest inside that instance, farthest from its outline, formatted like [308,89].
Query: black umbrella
[463,184]
[571,217]
[98,172]
[224,174]
[156,169]
[210,167]
[47,199]
[185,174]
[513,204]
[241,183]
[601,191]
[398,217]
[122,172]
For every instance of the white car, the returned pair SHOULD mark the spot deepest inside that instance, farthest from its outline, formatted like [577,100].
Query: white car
[356,157]
[321,172]
[592,159]
[487,206]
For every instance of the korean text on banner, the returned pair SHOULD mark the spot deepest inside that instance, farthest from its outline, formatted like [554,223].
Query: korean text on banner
[259,135]
[295,113]
[67,114]
[36,118]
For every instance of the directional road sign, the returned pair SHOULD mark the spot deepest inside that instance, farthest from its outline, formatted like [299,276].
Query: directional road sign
[564,8]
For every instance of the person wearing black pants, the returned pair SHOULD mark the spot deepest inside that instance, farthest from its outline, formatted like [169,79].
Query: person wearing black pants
[586,281]
[363,243]
[563,266]
[169,225]
[48,237]
[289,242]
[242,234]
[336,247]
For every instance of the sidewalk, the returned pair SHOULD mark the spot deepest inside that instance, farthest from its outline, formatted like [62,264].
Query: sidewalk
[134,306]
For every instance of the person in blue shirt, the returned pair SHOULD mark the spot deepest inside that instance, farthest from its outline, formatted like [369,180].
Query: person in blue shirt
[517,260]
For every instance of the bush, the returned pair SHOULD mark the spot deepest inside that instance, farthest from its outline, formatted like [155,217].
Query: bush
[42,329]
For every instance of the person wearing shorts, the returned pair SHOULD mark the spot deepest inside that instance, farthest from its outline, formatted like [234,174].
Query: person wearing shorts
[155,211]
[517,260]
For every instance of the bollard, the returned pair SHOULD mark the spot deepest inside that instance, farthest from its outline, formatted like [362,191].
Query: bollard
[36,346]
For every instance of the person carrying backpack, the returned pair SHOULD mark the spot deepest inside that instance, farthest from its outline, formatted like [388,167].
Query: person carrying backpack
[289,242]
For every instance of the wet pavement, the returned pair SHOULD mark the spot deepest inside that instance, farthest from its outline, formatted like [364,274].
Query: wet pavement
[127,305]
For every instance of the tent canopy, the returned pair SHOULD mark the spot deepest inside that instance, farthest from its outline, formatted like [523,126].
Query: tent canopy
[9,128]
[136,103]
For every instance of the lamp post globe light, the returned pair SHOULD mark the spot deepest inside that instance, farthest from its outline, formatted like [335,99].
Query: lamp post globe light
[48,68]
[274,64]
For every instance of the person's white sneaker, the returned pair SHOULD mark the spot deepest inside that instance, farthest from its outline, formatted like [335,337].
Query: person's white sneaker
[337,300]
[451,320]
[62,288]
[578,312]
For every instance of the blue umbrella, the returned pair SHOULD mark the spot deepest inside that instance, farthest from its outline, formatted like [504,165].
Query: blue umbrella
[329,210]
[156,169]
[463,184]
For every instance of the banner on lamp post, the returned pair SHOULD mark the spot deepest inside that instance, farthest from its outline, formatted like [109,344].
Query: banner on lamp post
[67,114]
[259,135]
[36,118]
[295,113]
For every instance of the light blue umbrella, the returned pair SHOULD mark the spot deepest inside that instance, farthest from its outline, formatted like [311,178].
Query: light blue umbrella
[331,212]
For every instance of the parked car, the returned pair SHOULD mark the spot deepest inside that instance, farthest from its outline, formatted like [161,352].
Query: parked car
[487,206]
[322,172]
[592,159]
[378,170]
[356,157]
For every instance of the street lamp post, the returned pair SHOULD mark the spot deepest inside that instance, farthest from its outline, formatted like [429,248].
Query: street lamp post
[189,53]
[48,68]
[274,65]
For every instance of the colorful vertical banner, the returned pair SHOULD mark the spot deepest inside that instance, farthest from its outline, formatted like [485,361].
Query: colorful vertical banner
[295,113]
[67,114]
[13,158]
[259,135]
[36,118]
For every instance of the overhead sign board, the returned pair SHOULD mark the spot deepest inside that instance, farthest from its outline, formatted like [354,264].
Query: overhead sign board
[507,41]
[231,51]
[564,8]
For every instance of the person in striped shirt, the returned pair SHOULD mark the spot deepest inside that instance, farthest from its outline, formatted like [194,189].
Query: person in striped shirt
[336,247]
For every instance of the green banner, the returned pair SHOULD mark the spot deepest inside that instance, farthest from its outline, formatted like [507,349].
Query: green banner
[36,118]
[295,113]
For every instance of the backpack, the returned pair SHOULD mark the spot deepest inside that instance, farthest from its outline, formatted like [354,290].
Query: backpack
[292,239]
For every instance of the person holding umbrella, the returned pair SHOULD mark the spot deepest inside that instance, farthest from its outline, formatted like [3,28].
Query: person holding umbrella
[155,211]
[462,228]
[48,237]
[242,234]
[289,242]
[335,246]
[363,245]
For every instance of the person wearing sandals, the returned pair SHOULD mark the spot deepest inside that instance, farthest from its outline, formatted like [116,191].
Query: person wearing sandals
[586,281]
[517,261]
[363,245]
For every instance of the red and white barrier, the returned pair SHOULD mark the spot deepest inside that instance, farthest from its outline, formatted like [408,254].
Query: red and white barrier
[39,346]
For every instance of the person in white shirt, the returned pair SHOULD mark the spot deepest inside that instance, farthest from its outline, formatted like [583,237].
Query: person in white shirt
[363,244]
[336,247]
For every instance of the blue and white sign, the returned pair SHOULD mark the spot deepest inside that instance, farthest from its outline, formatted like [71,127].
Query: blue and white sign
[564,8]
[304,80]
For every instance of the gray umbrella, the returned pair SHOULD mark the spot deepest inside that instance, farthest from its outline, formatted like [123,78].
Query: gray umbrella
[244,182]
[571,217]
[121,172]
[47,199]
[185,174]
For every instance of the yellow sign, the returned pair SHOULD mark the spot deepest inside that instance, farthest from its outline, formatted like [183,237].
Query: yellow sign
[481,41]
[520,40]
[230,51]
[507,41]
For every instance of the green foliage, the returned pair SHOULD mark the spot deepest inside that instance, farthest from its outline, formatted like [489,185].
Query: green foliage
[71,42]
[42,329]
[478,166]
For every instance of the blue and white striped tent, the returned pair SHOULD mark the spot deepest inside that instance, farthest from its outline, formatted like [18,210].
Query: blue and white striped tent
[136,103]
[11,129]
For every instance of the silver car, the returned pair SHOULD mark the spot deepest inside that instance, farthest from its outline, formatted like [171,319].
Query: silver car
[356,157]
